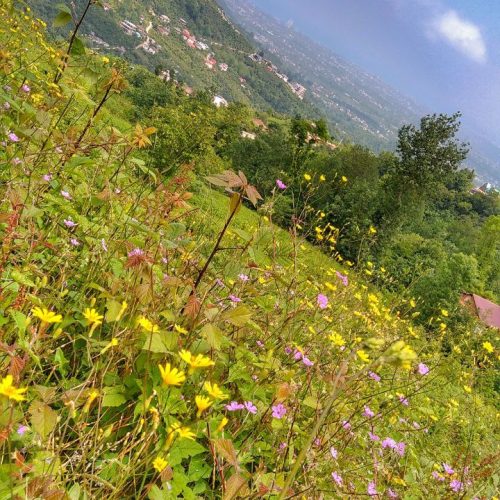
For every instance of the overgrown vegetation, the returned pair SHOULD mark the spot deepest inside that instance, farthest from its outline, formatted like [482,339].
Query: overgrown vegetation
[160,339]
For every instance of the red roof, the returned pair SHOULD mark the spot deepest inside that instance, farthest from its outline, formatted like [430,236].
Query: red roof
[488,312]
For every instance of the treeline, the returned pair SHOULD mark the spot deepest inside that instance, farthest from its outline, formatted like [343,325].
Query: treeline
[409,220]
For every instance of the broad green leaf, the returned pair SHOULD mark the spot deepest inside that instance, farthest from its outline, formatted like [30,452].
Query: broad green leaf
[113,396]
[78,48]
[62,19]
[238,316]
[43,418]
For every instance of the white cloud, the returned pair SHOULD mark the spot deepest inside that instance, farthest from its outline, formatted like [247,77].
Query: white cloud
[461,34]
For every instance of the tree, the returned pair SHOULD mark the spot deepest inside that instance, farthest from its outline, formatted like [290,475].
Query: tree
[430,154]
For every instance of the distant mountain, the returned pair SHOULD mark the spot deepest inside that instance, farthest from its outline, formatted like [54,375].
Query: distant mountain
[361,107]
[193,41]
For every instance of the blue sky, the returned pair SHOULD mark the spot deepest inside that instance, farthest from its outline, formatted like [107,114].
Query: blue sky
[445,54]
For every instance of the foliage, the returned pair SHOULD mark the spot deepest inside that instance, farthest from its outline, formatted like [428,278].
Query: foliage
[161,340]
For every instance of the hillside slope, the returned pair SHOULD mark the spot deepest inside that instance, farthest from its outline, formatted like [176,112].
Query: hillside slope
[193,40]
[161,340]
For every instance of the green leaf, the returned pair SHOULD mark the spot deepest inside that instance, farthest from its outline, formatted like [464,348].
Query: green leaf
[213,335]
[78,48]
[160,342]
[43,418]
[238,316]
[113,310]
[61,362]
[113,396]
[62,19]
[21,321]
[21,278]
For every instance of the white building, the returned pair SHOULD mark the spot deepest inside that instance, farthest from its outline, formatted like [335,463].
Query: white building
[219,101]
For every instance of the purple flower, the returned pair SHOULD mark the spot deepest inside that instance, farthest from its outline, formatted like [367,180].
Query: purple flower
[337,478]
[288,350]
[25,88]
[333,453]
[373,437]
[448,469]
[233,298]
[423,369]
[404,401]
[400,448]
[278,411]
[416,425]
[6,105]
[298,355]
[280,184]
[104,246]
[322,301]
[282,446]
[346,425]
[66,195]
[251,408]
[47,177]
[16,161]
[372,489]
[13,137]
[69,223]
[389,443]
[456,485]
[260,343]
[343,278]
[317,442]
[374,376]
[136,252]
[243,277]
[307,361]
[367,412]
[391,494]
[437,476]
[234,406]
[219,282]
[21,430]
[74,242]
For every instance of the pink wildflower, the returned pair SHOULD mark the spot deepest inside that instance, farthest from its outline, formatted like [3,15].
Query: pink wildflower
[337,478]
[25,88]
[437,476]
[251,408]
[243,277]
[21,430]
[104,246]
[373,437]
[47,177]
[367,412]
[343,278]
[233,298]
[66,195]
[404,401]
[13,137]
[234,406]
[372,489]
[333,452]
[74,242]
[448,469]
[307,361]
[423,369]
[389,443]
[322,301]
[280,184]
[374,376]
[279,411]
[346,425]
[400,448]
[456,485]
[69,223]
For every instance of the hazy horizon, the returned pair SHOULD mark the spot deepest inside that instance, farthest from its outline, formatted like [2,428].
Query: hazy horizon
[444,54]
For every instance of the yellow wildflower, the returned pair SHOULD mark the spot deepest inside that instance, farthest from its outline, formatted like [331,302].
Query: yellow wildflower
[214,390]
[46,316]
[92,316]
[337,339]
[121,311]
[159,463]
[372,230]
[344,178]
[202,403]
[171,376]
[148,325]
[363,356]
[307,177]
[444,312]
[222,424]
[322,178]
[468,389]
[488,347]
[105,59]
[181,431]
[198,361]
[10,391]
[112,343]
[93,394]
[179,329]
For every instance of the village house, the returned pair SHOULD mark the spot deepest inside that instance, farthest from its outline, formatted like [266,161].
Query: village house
[248,135]
[201,45]
[298,89]
[223,67]
[219,101]
[486,311]
[210,61]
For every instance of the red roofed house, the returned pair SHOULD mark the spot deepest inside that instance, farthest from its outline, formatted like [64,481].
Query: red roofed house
[488,312]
